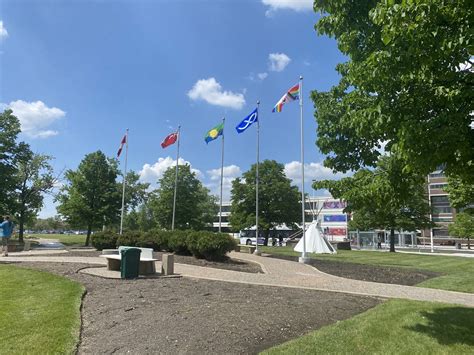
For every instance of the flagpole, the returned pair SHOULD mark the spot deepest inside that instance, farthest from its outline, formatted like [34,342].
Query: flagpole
[303,258]
[222,176]
[257,251]
[124,180]
[176,178]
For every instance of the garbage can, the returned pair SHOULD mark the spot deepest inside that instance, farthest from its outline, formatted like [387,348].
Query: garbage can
[130,263]
[458,245]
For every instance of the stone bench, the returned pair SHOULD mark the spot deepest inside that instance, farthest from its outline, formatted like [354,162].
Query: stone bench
[114,259]
[247,248]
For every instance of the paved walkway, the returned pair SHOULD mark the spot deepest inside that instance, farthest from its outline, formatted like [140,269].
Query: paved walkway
[282,273]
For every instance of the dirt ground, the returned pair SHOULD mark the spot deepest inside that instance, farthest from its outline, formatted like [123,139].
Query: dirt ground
[188,316]
[374,273]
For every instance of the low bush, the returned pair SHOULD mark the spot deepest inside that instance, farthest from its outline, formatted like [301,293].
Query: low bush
[208,245]
[129,238]
[156,239]
[104,240]
[177,242]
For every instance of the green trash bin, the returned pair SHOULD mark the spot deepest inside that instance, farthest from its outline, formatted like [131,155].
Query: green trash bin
[130,263]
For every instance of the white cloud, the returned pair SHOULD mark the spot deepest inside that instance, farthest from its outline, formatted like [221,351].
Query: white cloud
[152,173]
[3,31]
[262,76]
[229,174]
[211,91]
[312,171]
[35,117]
[296,5]
[278,61]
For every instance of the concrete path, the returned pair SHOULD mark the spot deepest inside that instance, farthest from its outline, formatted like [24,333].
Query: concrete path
[282,273]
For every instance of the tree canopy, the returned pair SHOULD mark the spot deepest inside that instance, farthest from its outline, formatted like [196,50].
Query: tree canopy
[279,201]
[461,194]
[407,84]
[383,198]
[90,198]
[463,227]
[195,207]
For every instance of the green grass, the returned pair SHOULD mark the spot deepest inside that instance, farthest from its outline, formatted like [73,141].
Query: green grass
[66,239]
[39,312]
[458,272]
[395,327]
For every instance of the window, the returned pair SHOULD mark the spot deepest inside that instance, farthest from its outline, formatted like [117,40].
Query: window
[437,186]
[437,175]
[440,233]
[442,210]
[442,219]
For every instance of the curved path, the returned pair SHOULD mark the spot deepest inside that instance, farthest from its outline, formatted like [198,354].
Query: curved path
[282,273]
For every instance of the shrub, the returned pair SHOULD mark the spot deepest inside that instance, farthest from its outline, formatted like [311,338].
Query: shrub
[129,238]
[104,240]
[156,239]
[208,245]
[177,242]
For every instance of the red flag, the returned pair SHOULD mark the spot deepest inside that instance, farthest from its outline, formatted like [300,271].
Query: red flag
[170,139]
[124,140]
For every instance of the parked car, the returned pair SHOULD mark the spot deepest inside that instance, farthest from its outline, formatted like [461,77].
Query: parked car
[251,240]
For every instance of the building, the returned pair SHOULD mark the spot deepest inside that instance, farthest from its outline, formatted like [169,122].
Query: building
[442,212]
[328,211]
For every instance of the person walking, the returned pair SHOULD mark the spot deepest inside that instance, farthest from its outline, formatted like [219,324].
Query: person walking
[6,229]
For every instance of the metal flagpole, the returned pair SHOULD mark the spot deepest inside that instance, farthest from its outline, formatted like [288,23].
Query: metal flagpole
[257,251]
[222,175]
[176,178]
[124,180]
[303,258]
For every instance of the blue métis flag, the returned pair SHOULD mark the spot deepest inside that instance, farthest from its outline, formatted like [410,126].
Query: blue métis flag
[247,121]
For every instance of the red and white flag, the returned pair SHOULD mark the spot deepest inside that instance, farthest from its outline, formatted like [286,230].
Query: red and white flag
[170,139]
[124,141]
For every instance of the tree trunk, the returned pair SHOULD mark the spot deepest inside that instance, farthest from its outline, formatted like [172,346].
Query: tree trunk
[265,235]
[89,230]
[21,227]
[392,240]
[468,243]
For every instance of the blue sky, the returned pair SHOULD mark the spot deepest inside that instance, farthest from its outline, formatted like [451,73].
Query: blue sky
[79,73]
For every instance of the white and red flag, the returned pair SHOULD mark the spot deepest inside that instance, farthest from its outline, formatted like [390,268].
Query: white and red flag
[170,139]
[122,143]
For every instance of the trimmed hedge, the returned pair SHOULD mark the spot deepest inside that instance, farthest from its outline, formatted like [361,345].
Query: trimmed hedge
[104,240]
[201,244]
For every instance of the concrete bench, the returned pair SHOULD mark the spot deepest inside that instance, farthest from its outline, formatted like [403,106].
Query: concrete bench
[147,263]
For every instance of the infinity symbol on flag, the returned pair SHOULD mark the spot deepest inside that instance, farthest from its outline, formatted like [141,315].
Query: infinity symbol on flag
[248,121]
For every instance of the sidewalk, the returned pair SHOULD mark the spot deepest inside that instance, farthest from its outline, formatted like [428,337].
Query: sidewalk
[282,273]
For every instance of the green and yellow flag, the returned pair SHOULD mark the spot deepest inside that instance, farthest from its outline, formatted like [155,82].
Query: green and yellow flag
[214,132]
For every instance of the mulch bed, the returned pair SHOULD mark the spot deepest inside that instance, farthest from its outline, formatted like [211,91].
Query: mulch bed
[374,273]
[181,315]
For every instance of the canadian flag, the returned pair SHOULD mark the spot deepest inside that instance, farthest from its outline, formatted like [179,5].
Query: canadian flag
[124,140]
[170,139]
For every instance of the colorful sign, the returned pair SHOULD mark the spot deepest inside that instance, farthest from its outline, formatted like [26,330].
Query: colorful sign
[334,204]
[336,231]
[334,218]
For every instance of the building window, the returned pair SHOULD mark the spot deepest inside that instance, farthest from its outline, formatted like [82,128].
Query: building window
[440,233]
[442,210]
[442,219]
[437,186]
[437,175]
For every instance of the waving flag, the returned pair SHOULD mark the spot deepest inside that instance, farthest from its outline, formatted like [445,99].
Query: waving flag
[291,95]
[170,139]
[122,143]
[247,121]
[215,132]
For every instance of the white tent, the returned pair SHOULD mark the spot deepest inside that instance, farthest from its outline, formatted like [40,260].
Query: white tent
[315,242]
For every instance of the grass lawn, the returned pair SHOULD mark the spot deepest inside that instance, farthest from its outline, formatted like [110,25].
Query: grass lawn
[458,272]
[66,239]
[397,326]
[39,312]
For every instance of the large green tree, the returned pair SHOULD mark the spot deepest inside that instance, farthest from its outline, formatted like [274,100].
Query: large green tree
[461,194]
[407,84]
[10,149]
[278,202]
[90,198]
[195,207]
[135,191]
[463,227]
[33,178]
[383,197]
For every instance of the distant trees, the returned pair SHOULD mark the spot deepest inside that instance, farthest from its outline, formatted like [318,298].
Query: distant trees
[90,198]
[384,198]
[278,200]
[195,207]
[463,227]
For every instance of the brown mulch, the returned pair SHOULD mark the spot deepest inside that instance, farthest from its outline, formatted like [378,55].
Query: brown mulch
[181,315]
[374,273]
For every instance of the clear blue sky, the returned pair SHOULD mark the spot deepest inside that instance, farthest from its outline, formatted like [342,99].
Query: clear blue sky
[79,73]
